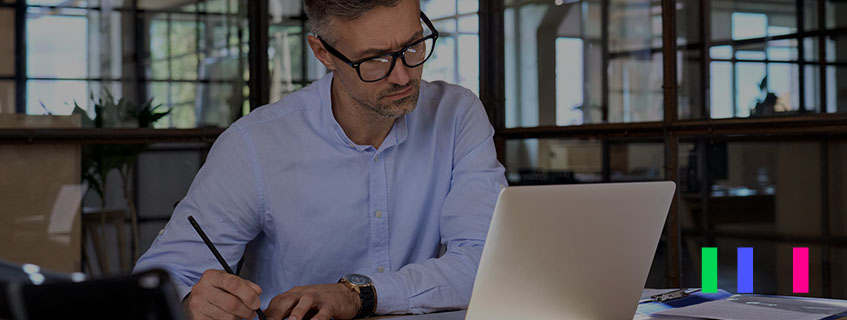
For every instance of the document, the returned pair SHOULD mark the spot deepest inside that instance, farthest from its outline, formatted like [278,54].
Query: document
[755,307]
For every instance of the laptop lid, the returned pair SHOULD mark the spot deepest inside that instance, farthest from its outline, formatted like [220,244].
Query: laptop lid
[569,251]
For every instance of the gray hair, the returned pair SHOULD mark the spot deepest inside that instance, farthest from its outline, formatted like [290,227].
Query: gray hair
[319,12]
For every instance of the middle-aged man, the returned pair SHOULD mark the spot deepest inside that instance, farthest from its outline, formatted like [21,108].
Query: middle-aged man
[370,175]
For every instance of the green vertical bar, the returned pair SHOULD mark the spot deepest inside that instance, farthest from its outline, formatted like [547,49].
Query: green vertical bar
[710,270]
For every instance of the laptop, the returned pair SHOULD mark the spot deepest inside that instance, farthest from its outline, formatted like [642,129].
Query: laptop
[567,252]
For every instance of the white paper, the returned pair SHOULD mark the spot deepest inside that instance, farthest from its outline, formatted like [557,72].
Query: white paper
[725,309]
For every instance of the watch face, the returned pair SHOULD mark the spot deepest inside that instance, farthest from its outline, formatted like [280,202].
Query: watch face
[358,279]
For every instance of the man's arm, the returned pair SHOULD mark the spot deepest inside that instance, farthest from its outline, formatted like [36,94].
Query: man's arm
[446,282]
[226,199]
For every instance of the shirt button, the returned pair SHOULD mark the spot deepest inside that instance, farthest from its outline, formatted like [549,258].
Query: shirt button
[380,269]
[161,232]
[379,214]
[376,158]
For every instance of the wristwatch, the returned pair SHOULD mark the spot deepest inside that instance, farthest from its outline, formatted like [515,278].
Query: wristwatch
[364,287]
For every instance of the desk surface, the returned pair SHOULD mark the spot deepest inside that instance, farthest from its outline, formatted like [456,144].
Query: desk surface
[451,315]
[707,305]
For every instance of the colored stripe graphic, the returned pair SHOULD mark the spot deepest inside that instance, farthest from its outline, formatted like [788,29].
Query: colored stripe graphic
[745,270]
[709,270]
[801,270]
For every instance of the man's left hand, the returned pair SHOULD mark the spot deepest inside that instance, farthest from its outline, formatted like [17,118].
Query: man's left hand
[334,301]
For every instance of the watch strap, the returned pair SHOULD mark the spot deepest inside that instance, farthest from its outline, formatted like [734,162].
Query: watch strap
[368,297]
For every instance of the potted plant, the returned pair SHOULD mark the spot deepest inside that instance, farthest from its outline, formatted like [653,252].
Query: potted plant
[100,159]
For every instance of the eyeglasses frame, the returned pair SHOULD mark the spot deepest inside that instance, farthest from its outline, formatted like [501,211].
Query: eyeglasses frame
[394,55]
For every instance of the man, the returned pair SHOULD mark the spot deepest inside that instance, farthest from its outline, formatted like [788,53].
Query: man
[363,175]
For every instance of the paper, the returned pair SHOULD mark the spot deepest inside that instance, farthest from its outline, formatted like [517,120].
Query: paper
[798,304]
[753,307]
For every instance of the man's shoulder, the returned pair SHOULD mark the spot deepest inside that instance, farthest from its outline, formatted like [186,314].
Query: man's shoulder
[293,106]
[442,91]
[441,99]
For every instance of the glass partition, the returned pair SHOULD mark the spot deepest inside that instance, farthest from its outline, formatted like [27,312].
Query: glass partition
[185,57]
[583,62]
[558,161]
[769,196]
[759,59]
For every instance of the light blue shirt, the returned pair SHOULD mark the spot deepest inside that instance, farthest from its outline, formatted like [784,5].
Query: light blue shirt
[287,188]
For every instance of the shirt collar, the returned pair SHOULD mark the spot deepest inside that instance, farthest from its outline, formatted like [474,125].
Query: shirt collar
[398,134]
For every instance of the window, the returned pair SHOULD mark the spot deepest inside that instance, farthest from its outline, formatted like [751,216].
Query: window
[189,56]
[555,52]
[759,61]
[198,63]
[456,56]
[749,123]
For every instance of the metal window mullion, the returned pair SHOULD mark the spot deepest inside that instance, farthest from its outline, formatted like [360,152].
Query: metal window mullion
[826,250]
[705,58]
[259,81]
[139,53]
[826,274]
[822,54]
[705,185]
[673,230]
[492,68]
[801,56]
[20,57]
[604,47]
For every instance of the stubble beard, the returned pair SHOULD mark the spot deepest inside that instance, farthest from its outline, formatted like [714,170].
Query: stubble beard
[396,108]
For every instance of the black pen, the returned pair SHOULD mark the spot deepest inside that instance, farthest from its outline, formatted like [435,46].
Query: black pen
[218,256]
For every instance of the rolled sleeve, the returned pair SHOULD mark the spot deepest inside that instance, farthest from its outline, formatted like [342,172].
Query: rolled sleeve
[226,203]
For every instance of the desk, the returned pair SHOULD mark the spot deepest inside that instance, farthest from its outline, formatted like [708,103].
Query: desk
[647,310]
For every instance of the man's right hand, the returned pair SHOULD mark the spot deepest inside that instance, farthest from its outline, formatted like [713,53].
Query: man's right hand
[223,296]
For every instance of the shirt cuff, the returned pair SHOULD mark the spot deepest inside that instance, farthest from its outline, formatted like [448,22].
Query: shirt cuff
[392,295]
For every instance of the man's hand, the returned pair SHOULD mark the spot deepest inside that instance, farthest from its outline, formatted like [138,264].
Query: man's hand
[223,296]
[334,301]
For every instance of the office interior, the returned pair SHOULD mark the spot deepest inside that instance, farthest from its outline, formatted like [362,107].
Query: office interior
[743,103]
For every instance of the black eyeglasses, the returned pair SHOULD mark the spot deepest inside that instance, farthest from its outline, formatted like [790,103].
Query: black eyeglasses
[378,67]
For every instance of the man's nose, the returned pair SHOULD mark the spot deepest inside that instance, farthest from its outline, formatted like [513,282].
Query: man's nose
[400,74]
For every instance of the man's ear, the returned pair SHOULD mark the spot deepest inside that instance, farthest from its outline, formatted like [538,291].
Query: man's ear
[320,52]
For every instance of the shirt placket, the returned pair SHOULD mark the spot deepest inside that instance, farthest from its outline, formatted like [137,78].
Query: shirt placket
[378,213]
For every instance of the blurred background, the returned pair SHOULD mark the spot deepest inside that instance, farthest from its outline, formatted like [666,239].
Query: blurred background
[108,109]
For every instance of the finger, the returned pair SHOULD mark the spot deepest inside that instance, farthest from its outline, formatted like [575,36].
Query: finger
[324,314]
[256,288]
[197,306]
[212,311]
[239,288]
[307,301]
[229,303]
[280,306]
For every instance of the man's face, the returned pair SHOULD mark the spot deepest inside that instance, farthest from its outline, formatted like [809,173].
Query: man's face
[379,31]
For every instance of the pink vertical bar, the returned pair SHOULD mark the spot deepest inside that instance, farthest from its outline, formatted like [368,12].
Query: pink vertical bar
[801,270]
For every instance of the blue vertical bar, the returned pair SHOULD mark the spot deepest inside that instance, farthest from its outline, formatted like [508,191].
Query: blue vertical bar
[745,270]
